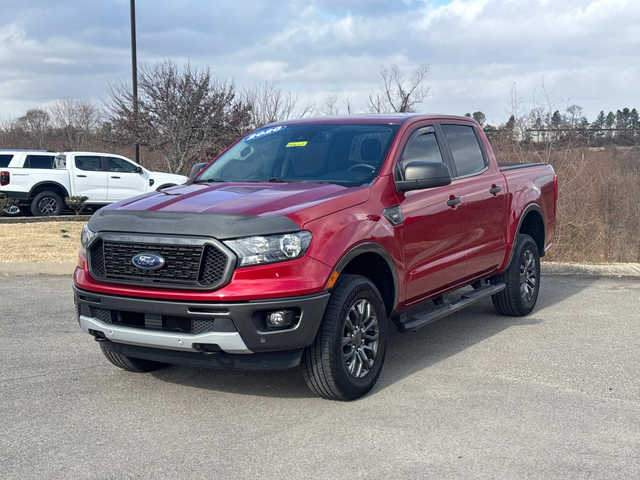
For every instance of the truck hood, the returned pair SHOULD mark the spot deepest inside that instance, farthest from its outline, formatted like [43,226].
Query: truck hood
[300,202]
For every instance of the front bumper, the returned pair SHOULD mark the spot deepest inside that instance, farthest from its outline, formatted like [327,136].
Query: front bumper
[241,330]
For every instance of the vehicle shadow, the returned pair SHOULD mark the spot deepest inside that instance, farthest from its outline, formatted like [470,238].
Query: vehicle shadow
[406,355]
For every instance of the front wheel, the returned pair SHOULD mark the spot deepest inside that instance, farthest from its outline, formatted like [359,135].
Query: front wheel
[522,280]
[346,358]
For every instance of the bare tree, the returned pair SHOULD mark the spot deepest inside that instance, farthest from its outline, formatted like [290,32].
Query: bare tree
[34,127]
[183,112]
[76,121]
[269,104]
[329,107]
[399,94]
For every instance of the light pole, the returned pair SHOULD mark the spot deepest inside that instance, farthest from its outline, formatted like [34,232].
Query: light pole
[134,71]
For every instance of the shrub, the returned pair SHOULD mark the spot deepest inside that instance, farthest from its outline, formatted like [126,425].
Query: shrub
[76,204]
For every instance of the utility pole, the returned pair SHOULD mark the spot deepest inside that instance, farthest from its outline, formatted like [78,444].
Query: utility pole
[134,71]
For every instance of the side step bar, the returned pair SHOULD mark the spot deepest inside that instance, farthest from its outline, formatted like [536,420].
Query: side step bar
[445,309]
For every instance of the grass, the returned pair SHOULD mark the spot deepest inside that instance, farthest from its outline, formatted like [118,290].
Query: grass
[47,242]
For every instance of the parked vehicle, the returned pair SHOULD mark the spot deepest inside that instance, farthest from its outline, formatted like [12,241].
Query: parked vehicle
[40,180]
[299,243]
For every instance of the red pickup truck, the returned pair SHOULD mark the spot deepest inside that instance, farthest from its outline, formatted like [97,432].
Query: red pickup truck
[303,240]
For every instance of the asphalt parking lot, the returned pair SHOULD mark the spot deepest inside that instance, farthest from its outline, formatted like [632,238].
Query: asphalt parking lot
[477,395]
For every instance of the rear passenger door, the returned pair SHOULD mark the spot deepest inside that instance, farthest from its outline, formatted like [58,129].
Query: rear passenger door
[90,179]
[483,187]
[434,223]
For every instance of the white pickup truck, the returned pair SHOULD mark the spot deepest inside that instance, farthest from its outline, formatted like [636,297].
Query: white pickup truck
[41,180]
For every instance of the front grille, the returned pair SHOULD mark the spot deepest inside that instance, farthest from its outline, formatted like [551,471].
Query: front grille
[202,265]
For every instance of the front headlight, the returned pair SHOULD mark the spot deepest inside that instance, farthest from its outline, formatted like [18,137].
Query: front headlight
[85,238]
[269,249]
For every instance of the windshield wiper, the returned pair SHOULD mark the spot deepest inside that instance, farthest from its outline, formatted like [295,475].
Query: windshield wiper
[276,180]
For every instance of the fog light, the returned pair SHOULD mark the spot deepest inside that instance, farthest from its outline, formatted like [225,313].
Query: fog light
[280,319]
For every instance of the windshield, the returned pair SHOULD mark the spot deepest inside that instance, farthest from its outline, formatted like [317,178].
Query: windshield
[345,154]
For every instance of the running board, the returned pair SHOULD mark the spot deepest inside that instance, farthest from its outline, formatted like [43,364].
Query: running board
[443,310]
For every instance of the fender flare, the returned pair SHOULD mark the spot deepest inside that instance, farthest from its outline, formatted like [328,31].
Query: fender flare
[529,208]
[372,247]
[48,182]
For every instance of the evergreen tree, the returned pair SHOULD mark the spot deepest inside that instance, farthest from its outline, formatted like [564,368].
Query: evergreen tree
[599,124]
[480,117]
[609,122]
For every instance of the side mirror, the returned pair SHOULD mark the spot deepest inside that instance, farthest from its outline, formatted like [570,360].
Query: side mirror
[196,168]
[420,175]
[138,169]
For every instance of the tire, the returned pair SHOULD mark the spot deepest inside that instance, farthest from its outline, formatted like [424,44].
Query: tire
[327,370]
[522,280]
[130,364]
[46,204]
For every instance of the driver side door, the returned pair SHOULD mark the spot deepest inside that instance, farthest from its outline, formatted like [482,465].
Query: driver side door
[125,181]
[434,223]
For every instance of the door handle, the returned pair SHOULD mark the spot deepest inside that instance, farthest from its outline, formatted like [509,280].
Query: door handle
[81,176]
[453,201]
[115,177]
[495,189]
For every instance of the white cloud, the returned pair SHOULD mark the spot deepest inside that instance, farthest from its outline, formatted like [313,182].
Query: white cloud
[587,50]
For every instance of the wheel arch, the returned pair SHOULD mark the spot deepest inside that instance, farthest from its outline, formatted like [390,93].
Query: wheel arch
[48,186]
[533,215]
[373,261]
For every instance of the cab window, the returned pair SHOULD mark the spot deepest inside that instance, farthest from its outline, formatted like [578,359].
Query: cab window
[466,151]
[121,166]
[88,163]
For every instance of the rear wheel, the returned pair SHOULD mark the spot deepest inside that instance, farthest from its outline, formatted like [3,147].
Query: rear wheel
[46,204]
[131,364]
[346,359]
[12,211]
[522,280]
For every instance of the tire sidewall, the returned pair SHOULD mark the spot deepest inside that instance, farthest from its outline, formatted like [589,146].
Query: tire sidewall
[35,207]
[525,244]
[345,382]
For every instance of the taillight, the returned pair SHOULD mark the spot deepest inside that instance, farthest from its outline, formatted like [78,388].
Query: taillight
[555,194]
[5,178]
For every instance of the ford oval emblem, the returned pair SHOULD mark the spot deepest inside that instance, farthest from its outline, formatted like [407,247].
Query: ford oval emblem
[148,261]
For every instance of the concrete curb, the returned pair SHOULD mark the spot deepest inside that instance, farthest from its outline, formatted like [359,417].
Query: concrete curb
[611,270]
[61,218]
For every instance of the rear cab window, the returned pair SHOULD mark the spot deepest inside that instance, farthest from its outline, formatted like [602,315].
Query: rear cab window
[468,156]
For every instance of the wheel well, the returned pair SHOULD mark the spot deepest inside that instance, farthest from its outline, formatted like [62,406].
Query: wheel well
[533,225]
[49,187]
[375,268]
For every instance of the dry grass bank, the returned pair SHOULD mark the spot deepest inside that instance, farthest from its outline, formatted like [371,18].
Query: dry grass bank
[47,242]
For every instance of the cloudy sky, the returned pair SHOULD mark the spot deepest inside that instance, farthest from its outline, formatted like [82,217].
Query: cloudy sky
[587,51]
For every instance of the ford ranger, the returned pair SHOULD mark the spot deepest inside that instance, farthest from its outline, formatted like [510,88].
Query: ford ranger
[303,243]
